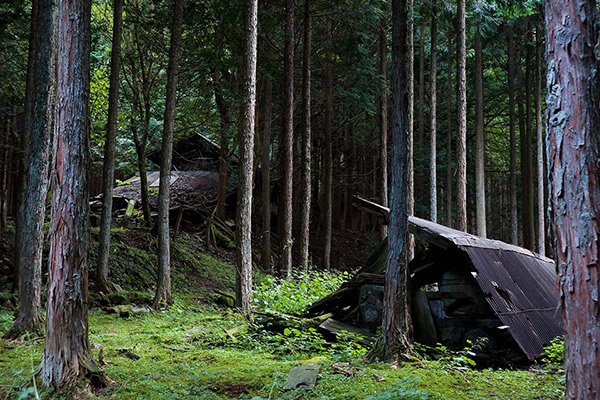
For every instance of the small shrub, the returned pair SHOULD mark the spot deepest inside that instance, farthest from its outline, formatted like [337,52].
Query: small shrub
[450,358]
[554,353]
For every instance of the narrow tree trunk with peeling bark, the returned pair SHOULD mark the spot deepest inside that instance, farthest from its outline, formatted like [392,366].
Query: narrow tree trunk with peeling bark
[24,139]
[163,286]
[479,139]
[244,208]
[526,161]
[410,119]
[449,129]
[573,99]
[433,129]
[420,194]
[224,147]
[541,229]
[514,225]
[461,140]
[383,145]
[396,317]
[265,165]
[108,170]
[306,139]
[31,240]
[288,140]
[67,357]
[328,156]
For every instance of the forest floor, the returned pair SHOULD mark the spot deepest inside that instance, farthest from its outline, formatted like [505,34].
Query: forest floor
[202,349]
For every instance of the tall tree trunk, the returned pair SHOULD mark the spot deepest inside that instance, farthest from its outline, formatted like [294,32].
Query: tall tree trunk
[24,139]
[526,162]
[479,139]
[514,226]
[140,142]
[244,209]
[67,357]
[410,119]
[224,146]
[31,240]
[541,231]
[108,171]
[265,165]
[383,130]
[396,317]
[328,156]
[288,138]
[163,286]
[573,142]
[306,139]
[449,133]
[461,139]
[420,190]
[522,142]
[433,111]
[5,161]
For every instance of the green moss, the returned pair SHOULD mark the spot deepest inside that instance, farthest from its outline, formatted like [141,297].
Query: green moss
[173,364]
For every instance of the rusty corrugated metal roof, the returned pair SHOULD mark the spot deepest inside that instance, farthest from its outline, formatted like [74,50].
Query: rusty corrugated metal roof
[519,284]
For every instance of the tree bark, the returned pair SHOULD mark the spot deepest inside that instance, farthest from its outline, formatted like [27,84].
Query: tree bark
[514,225]
[244,208]
[433,112]
[163,286]
[479,139]
[383,129]
[541,231]
[31,232]
[396,317]
[265,165]
[224,146]
[67,357]
[421,197]
[449,133]
[410,119]
[306,139]
[288,139]
[24,139]
[141,141]
[108,171]
[526,164]
[461,140]
[573,147]
[328,156]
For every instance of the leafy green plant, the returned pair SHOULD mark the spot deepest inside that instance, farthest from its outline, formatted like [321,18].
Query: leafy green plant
[554,353]
[293,295]
[451,358]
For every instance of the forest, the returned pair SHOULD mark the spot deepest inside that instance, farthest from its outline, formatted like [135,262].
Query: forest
[259,199]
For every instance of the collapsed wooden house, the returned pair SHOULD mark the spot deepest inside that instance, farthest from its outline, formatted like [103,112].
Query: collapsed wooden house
[463,288]
[193,184]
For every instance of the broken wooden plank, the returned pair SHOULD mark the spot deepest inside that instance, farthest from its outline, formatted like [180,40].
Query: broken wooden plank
[302,377]
[336,327]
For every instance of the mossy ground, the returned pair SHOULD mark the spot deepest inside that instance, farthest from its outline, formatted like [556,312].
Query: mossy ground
[178,362]
[173,365]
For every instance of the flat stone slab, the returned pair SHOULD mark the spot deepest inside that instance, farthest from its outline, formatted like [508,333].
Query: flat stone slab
[302,377]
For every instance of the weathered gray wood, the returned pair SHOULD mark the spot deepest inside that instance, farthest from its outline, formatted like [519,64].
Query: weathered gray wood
[336,327]
[423,320]
[302,377]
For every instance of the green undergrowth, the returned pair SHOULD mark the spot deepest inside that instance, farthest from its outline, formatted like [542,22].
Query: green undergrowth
[293,295]
[200,351]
